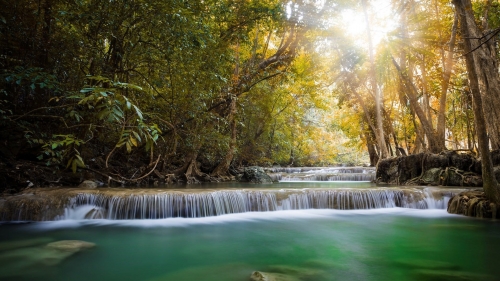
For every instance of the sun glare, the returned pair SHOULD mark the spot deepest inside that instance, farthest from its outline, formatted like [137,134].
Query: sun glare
[382,21]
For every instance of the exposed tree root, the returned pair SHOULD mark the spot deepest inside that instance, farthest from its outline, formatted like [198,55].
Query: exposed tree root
[473,204]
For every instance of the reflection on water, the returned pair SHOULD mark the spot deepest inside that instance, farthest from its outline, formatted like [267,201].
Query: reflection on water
[382,244]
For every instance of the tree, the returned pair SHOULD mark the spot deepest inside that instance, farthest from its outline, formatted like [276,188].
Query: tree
[473,62]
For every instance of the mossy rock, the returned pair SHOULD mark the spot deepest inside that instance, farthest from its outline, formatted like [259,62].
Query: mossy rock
[432,176]
[255,174]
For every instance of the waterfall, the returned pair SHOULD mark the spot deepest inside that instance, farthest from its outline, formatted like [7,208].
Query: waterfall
[322,173]
[148,204]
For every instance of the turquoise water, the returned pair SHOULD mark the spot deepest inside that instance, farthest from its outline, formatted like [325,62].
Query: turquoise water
[382,244]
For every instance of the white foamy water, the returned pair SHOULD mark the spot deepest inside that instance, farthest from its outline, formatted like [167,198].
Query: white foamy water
[246,217]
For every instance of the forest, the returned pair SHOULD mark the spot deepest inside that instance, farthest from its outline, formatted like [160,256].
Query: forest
[135,91]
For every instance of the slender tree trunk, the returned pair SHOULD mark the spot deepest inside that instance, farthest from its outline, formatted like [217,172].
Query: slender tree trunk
[371,146]
[223,168]
[378,98]
[447,66]
[483,50]
[434,145]
[468,27]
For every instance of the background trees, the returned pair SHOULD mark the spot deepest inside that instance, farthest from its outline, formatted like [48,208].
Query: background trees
[132,89]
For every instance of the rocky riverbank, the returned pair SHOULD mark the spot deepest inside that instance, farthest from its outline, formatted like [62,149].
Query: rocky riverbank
[448,168]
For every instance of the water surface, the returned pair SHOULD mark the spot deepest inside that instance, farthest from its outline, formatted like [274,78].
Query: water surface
[384,244]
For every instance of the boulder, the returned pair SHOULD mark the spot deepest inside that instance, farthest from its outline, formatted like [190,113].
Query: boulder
[431,176]
[255,174]
[88,184]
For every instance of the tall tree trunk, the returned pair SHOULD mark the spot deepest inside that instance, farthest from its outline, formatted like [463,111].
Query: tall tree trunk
[411,91]
[468,28]
[447,66]
[378,98]
[371,146]
[485,61]
[223,168]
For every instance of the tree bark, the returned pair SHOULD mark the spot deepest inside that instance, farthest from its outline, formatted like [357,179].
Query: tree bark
[483,51]
[223,168]
[434,145]
[378,98]
[447,66]
[468,28]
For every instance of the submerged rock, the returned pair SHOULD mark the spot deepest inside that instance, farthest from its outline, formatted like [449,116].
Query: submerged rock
[16,262]
[255,174]
[271,276]
[70,245]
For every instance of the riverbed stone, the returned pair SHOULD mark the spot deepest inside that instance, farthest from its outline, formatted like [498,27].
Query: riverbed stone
[70,245]
[49,255]
[271,276]
[255,174]
[88,184]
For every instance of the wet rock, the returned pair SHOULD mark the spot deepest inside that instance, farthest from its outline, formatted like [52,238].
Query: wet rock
[255,174]
[271,276]
[88,184]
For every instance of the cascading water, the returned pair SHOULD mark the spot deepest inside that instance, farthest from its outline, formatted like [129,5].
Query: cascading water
[147,204]
[322,173]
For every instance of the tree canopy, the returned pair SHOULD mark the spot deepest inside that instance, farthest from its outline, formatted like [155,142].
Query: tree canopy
[134,89]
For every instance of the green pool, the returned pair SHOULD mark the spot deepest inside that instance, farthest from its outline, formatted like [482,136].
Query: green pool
[381,244]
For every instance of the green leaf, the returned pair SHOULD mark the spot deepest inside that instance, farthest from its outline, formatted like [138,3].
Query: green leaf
[133,141]
[86,90]
[54,145]
[137,136]
[138,111]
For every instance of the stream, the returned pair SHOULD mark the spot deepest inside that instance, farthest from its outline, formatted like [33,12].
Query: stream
[302,230]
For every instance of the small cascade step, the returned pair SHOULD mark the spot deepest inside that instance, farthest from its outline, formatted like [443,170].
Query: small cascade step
[322,173]
[147,204]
